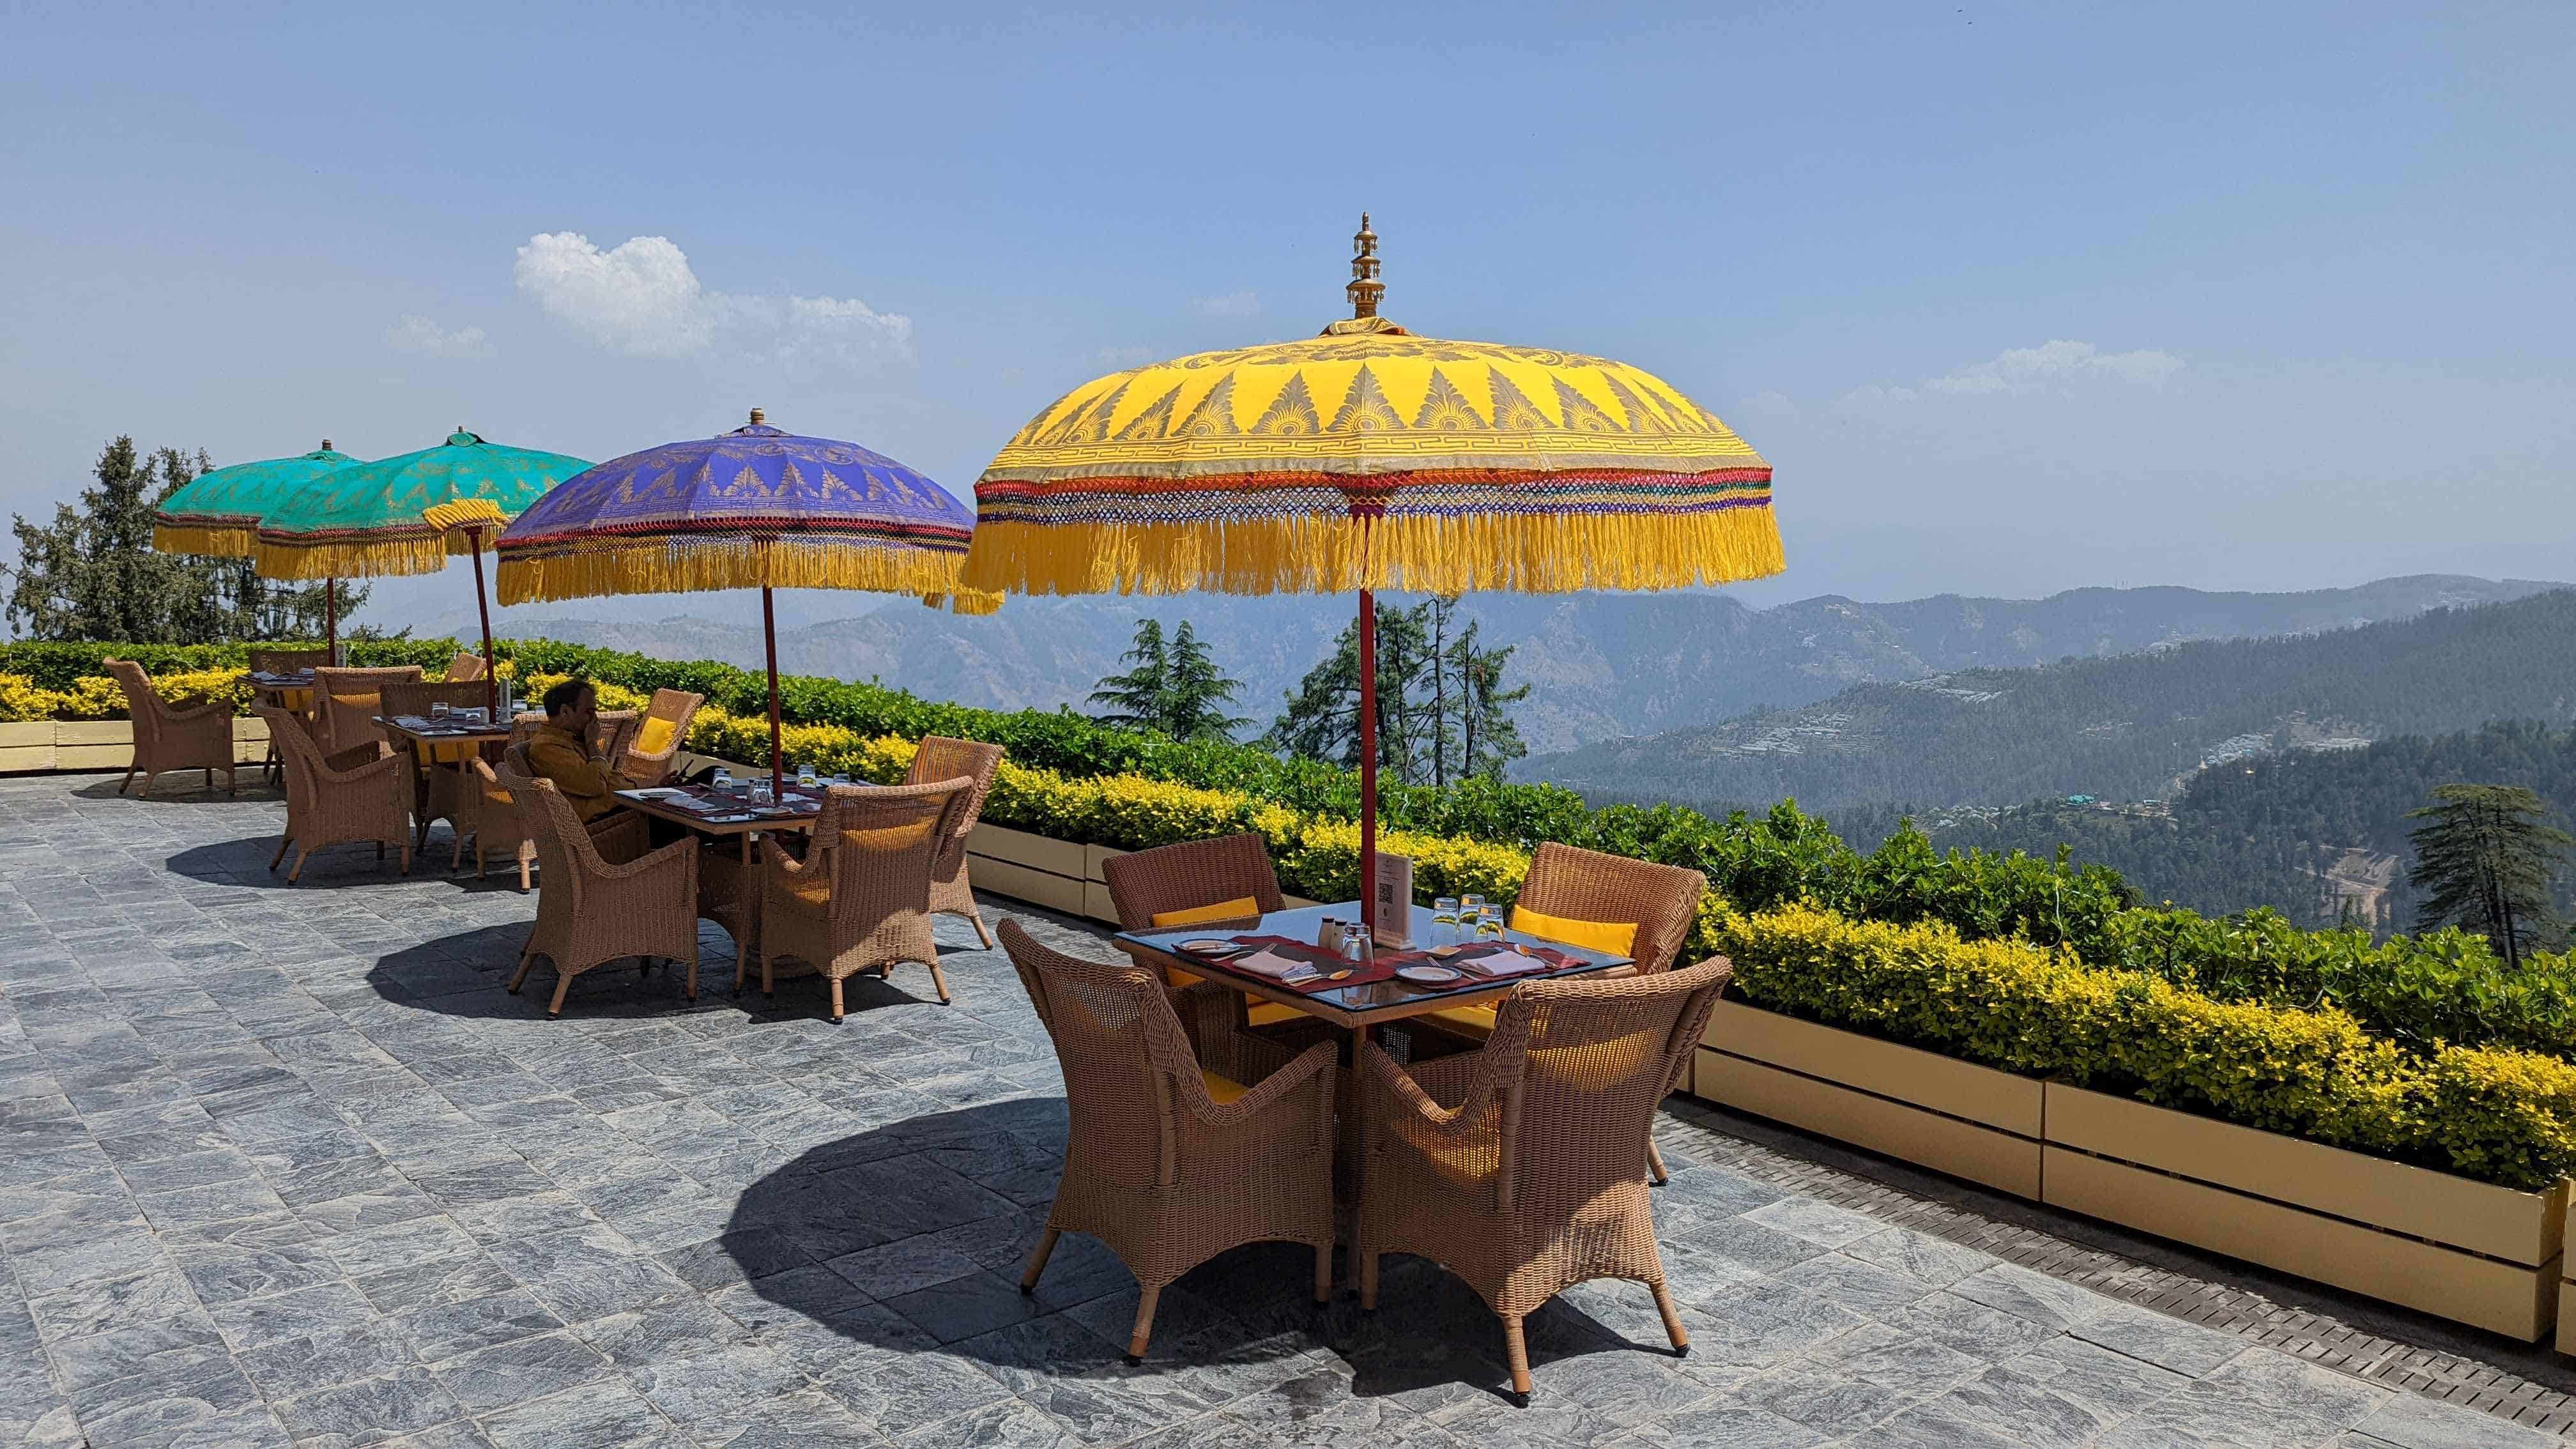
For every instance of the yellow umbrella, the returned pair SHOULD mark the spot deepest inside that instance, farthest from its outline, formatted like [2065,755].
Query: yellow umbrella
[1368,458]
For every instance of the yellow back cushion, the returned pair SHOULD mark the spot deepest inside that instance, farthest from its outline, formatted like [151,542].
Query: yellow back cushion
[1222,1089]
[1238,909]
[654,738]
[1615,938]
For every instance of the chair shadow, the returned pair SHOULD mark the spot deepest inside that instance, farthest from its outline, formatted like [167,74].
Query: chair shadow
[182,787]
[245,862]
[468,975]
[912,1235]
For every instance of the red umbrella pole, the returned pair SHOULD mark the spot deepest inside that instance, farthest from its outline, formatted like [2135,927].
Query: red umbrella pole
[331,619]
[769,640]
[491,685]
[1368,761]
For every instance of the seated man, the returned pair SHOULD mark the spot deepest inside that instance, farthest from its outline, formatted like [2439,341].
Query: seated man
[560,750]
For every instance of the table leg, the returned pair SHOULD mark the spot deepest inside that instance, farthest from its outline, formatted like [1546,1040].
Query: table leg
[746,847]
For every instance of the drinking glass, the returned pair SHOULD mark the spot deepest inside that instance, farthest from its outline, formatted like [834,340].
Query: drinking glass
[805,776]
[1355,942]
[1489,922]
[438,711]
[761,794]
[1444,920]
[722,781]
[1468,906]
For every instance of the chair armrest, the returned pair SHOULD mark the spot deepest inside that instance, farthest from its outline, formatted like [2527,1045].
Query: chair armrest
[193,714]
[620,837]
[365,752]
[1315,1061]
[686,850]
[386,763]
[1382,1072]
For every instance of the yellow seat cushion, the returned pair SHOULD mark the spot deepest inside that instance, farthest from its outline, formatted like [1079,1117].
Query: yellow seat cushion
[1615,938]
[654,738]
[1223,1089]
[1271,1013]
[295,701]
[1238,909]
[443,752]
[1474,1021]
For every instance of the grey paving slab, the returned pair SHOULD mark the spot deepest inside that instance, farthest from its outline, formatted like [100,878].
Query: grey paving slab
[292,1167]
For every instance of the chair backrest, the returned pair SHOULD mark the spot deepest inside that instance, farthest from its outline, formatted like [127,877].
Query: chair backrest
[142,701]
[676,709]
[566,859]
[1194,873]
[943,758]
[1125,1058]
[415,696]
[464,666]
[288,661]
[1583,1064]
[882,842]
[349,699]
[612,731]
[299,759]
[1586,885]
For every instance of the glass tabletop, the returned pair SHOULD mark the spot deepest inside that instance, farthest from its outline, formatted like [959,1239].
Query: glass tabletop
[1300,925]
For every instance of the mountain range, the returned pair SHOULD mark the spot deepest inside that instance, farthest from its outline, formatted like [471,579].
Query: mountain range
[2130,727]
[1600,666]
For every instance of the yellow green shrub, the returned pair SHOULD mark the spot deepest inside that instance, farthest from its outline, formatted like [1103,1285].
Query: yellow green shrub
[2501,1116]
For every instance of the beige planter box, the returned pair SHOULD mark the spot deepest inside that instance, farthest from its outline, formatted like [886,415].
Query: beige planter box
[1037,887]
[1953,1116]
[22,734]
[101,744]
[2467,1251]
[1019,847]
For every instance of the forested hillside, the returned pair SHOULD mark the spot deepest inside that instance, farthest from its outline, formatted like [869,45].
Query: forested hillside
[2316,835]
[2127,728]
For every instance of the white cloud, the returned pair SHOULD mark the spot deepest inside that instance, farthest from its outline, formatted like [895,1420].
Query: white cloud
[2026,368]
[1770,401]
[1870,397]
[419,334]
[642,298]
[1232,304]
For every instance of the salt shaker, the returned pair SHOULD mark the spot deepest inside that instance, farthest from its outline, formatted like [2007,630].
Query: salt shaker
[1328,936]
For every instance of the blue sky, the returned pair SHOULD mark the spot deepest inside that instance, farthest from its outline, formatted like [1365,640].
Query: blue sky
[2015,298]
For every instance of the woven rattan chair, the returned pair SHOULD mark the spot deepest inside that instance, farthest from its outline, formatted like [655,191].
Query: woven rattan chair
[1190,877]
[465,666]
[168,739]
[444,784]
[656,747]
[603,893]
[860,899]
[300,701]
[952,893]
[359,795]
[490,818]
[1587,885]
[347,701]
[611,733]
[1170,1161]
[1520,1166]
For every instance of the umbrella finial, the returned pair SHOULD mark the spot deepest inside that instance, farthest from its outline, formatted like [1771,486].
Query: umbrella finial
[326,445]
[758,417]
[1364,288]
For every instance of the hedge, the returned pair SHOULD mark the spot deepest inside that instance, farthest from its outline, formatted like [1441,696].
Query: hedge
[2444,988]
[2499,1116]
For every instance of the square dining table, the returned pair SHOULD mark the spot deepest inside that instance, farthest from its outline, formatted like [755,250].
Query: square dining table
[708,812]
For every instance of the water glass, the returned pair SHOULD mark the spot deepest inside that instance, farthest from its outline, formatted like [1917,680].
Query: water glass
[1468,907]
[1489,922]
[438,711]
[1356,945]
[761,794]
[805,776]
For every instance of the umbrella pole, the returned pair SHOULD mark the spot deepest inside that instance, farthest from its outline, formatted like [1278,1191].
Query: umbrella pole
[491,686]
[331,619]
[769,641]
[1368,761]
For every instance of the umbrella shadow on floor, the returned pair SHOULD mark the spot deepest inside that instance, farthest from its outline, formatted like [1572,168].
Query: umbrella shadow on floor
[183,787]
[908,1239]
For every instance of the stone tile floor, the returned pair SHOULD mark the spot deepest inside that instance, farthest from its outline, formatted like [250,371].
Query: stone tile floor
[288,1166]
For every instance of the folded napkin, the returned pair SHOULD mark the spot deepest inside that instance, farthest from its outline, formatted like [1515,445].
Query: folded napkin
[1511,960]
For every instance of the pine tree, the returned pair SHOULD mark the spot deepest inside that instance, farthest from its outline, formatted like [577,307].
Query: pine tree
[91,574]
[1487,738]
[1443,714]
[2486,860]
[1173,686]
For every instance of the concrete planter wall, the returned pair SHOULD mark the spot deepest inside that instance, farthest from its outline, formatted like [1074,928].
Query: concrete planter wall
[2467,1251]
[101,744]
[1043,871]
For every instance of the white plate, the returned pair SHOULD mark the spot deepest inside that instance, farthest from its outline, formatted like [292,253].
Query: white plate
[1431,975]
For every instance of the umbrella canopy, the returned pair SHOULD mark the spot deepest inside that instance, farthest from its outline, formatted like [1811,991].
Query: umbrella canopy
[370,518]
[1369,458]
[755,508]
[219,511]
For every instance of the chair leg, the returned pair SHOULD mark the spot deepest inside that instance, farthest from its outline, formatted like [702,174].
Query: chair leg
[296,872]
[1038,1261]
[380,850]
[1144,1329]
[981,934]
[1516,1354]
[127,783]
[283,842]
[527,958]
[1672,1320]
[1367,1274]
[939,979]
[210,778]
[563,983]
[1323,1272]
[693,976]
[836,1001]
[768,983]
[1655,1164]
[406,861]
[523,875]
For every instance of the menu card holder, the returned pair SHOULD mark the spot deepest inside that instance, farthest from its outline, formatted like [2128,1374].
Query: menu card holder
[1395,901]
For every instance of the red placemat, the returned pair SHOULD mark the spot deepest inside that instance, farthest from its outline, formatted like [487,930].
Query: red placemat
[1467,957]
[1381,969]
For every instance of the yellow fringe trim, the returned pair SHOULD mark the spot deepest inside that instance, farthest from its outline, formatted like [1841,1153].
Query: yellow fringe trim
[971,602]
[1332,554]
[458,512]
[212,542]
[421,553]
[704,565]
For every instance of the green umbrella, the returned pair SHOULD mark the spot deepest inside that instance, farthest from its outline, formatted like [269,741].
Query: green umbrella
[218,513]
[408,514]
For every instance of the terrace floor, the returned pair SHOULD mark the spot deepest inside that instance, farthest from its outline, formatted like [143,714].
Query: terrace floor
[288,1166]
